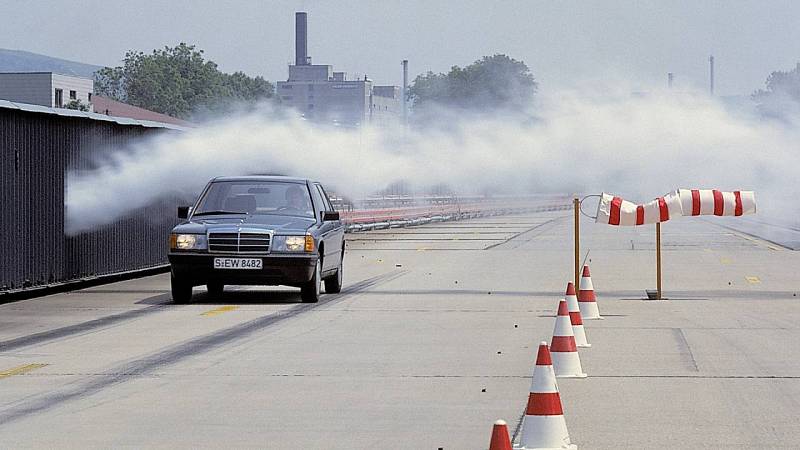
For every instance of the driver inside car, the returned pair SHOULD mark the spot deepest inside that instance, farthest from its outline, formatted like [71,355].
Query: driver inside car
[295,199]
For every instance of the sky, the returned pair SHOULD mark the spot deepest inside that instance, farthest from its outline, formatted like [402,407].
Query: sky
[567,44]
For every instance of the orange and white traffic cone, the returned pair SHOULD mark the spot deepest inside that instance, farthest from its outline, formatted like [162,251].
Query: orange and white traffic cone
[575,317]
[566,362]
[500,438]
[544,426]
[586,299]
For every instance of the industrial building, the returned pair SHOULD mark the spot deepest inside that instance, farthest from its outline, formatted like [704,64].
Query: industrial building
[320,94]
[48,89]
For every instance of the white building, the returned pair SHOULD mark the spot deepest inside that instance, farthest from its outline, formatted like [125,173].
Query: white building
[45,88]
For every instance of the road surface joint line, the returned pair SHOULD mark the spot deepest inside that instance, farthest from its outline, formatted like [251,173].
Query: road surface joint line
[140,375]
[755,239]
[20,370]
[685,349]
[220,310]
[522,233]
[708,377]
[134,374]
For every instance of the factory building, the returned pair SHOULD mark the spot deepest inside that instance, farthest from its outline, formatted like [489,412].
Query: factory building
[45,88]
[320,94]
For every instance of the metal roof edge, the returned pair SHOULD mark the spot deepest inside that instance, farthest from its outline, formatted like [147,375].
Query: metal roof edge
[63,112]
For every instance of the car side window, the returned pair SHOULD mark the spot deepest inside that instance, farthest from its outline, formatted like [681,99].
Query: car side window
[319,203]
[328,206]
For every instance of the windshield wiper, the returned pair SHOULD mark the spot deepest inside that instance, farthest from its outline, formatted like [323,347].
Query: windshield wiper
[208,213]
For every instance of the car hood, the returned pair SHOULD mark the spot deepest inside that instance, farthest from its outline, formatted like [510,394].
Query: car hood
[277,223]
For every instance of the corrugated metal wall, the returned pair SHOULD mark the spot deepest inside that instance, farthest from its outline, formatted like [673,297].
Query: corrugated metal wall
[36,151]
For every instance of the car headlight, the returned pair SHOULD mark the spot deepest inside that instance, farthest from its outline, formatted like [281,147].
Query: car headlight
[188,241]
[293,243]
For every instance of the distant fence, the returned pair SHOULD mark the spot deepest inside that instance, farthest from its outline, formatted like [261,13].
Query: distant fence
[38,146]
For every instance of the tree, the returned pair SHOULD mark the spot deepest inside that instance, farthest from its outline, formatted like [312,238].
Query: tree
[246,88]
[781,97]
[109,81]
[490,83]
[178,81]
[77,105]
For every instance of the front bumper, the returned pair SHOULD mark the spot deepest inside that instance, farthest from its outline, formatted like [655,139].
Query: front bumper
[198,269]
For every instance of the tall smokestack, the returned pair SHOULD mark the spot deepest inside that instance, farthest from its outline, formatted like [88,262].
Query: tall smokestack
[711,74]
[300,39]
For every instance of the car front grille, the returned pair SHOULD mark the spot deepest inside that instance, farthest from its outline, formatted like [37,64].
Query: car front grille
[239,242]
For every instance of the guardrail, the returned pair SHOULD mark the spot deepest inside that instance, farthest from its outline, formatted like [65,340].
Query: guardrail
[376,219]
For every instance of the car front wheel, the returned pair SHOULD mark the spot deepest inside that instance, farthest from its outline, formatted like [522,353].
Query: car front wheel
[181,290]
[309,292]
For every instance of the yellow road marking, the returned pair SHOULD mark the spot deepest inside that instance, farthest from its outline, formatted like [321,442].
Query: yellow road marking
[20,370]
[220,310]
[753,280]
[725,260]
[772,247]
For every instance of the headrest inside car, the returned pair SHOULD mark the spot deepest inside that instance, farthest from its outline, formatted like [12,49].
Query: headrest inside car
[241,203]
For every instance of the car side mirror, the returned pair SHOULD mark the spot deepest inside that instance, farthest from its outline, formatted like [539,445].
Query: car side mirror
[330,215]
[183,212]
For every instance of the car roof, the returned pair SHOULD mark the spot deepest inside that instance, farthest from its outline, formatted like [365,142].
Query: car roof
[278,178]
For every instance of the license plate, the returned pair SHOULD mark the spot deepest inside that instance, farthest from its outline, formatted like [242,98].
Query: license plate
[237,263]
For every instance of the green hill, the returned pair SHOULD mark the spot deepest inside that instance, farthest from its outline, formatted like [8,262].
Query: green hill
[22,61]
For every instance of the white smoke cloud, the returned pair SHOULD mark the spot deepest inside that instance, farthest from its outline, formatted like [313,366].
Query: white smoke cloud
[637,146]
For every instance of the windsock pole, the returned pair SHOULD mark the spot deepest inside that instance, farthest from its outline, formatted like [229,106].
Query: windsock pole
[577,204]
[658,260]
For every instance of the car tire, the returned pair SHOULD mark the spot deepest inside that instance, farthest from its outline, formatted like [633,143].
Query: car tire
[310,291]
[215,289]
[333,283]
[181,290]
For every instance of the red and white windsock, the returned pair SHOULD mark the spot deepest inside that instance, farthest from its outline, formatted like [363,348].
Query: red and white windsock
[544,426]
[575,317]
[566,362]
[587,302]
[707,202]
[614,210]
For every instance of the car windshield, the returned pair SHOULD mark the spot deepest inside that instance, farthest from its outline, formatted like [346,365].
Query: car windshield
[256,197]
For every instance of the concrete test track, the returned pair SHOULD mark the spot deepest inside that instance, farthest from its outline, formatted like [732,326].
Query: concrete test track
[432,340]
